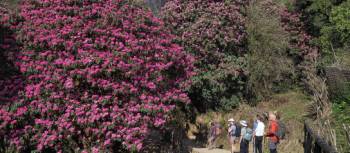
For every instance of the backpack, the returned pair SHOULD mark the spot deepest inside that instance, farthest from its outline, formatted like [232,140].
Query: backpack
[281,132]
[233,130]
[248,135]
[238,131]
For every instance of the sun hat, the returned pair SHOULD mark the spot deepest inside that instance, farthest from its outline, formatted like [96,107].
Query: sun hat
[231,120]
[243,123]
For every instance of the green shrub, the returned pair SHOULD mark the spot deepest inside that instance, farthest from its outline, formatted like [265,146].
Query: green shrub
[340,18]
[341,111]
[268,64]
[328,21]
[214,32]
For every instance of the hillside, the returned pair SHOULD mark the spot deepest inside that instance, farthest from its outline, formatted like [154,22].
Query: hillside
[291,105]
[150,76]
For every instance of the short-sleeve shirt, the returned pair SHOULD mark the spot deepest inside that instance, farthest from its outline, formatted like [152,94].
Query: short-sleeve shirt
[232,130]
[260,128]
[243,131]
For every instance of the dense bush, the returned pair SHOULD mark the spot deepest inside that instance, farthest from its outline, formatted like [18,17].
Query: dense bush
[269,66]
[339,25]
[214,32]
[300,44]
[10,78]
[11,82]
[8,47]
[98,73]
[328,21]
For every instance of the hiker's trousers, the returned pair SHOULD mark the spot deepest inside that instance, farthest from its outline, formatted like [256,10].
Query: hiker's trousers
[244,146]
[273,150]
[258,144]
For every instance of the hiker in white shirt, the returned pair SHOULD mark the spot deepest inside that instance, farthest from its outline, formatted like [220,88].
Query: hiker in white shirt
[259,134]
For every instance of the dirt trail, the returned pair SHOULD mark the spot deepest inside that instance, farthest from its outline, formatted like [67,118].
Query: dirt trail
[206,150]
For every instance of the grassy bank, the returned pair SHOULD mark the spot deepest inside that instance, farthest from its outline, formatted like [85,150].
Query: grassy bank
[291,105]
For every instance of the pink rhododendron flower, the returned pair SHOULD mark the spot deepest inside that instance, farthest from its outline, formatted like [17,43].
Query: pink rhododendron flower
[88,71]
[69,83]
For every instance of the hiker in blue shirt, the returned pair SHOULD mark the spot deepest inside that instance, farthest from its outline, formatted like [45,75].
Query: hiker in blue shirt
[232,132]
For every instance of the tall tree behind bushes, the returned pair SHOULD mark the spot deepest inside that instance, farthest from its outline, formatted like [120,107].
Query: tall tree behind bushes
[214,32]
[269,66]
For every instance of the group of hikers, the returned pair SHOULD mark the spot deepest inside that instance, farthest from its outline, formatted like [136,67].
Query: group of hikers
[243,133]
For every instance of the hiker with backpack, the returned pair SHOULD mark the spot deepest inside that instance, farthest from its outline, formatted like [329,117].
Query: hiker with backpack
[232,133]
[272,133]
[214,132]
[258,134]
[281,133]
[246,137]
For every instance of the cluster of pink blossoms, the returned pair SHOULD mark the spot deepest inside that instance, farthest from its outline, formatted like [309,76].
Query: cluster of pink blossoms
[301,40]
[210,29]
[97,73]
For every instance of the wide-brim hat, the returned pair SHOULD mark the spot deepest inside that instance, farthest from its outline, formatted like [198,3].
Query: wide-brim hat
[243,123]
[231,120]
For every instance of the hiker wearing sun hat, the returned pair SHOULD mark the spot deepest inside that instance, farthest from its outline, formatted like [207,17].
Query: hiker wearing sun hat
[232,133]
[246,137]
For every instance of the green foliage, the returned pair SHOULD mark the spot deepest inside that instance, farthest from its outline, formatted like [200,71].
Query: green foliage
[214,32]
[220,87]
[340,89]
[328,20]
[316,13]
[268,64]
[341,111]
[340,18]
[11,3]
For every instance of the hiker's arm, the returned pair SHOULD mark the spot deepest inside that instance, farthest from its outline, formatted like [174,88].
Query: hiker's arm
[272,131]
[269,134]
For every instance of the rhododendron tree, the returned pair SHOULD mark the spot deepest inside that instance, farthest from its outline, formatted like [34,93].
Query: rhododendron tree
[11,82]
[98,73]
[301,43]
[8,46]
[214,32]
